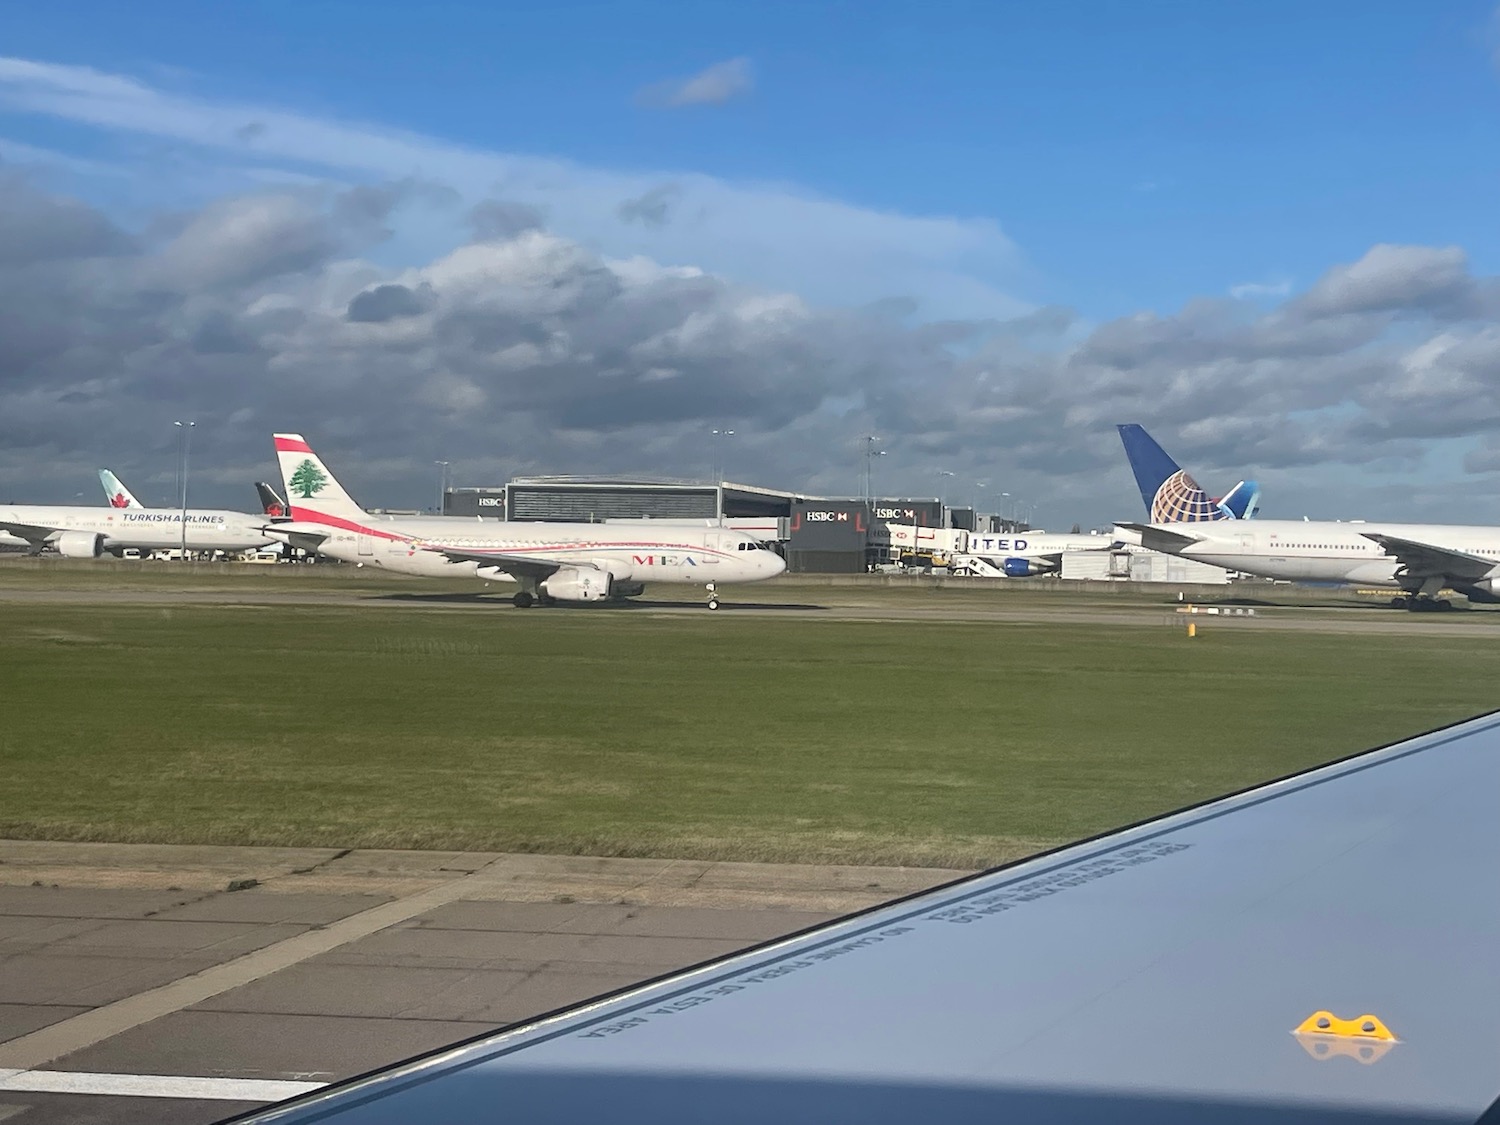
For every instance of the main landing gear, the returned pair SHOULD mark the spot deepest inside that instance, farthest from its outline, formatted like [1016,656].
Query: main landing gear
[713,596]
[522,600]
[1418,604]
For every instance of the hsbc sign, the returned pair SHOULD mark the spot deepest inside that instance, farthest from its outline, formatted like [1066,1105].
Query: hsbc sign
[829,525]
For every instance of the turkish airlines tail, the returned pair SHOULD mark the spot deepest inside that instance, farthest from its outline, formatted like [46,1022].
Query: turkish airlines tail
[119,496]
[310,487]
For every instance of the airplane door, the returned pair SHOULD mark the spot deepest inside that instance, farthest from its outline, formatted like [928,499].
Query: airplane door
[366,545]
[712,544]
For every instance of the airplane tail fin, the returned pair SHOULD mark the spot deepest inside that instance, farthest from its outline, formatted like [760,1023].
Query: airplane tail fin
[1242,501]
[118,495]
[314,493]
[1171,495]
[271,502]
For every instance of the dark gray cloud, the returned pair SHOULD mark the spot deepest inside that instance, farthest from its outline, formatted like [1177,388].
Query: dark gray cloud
[524,352]
[496,220]
[651,209]
[385,302]
[37,228]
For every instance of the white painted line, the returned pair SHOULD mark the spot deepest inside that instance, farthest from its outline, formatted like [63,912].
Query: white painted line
[153,1086]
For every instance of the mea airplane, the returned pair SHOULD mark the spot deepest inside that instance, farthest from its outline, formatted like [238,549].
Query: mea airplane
[1418,559]
[1171,496]
[571,562]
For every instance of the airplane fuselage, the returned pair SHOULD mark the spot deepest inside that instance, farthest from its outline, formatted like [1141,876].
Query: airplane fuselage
[146,529]
[675,553]
[1318,551]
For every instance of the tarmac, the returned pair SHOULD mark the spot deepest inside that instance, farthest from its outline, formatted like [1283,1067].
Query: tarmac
[1367,619]
[136,987]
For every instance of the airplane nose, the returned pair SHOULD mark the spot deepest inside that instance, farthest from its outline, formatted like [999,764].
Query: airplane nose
[778,564]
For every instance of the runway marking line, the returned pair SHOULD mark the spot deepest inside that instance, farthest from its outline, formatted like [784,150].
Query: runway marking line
[153,1086]
[32,1051]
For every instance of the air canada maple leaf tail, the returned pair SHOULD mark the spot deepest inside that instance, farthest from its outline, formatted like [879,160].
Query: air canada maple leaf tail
[118,495]
[313,492]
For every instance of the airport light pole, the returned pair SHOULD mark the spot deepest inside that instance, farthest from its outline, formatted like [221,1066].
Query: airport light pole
[442,484]
[718,466]
[870,454]
[941,473]
[185,438]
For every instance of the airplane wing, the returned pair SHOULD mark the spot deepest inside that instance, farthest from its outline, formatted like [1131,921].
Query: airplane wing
[305,537]
[1423,559]
[517,566]
[1154,538]
[1317,949]
[32,533]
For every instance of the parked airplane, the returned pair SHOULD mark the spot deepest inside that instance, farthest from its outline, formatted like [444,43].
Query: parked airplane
[82,532]
[576,562]
[1029,554]
[1171,495]
[116,493]
[1418,559]
[271,502]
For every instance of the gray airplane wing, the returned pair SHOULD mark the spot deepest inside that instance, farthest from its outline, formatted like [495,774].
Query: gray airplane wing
[517,566]
[32,533]
[1198,968]
[1423,559]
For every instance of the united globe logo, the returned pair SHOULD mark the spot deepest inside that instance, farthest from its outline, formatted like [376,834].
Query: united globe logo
[1180,500]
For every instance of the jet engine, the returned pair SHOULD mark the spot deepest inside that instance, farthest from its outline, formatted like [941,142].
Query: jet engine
[79,545]
[1023,568]
[578,584]
[627,589]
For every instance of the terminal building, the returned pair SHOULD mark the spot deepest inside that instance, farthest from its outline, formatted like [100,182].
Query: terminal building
[817,535]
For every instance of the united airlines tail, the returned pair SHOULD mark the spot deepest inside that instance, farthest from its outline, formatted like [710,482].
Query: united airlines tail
[1170,494]
[119,496]
[314,494]
[271,502]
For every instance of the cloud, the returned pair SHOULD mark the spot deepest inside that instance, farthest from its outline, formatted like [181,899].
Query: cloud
[714,85]
[1394,277]
[771,235]
[652,209]
[528,351]
[1253,290]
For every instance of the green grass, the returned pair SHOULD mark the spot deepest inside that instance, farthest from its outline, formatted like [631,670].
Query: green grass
[715,737]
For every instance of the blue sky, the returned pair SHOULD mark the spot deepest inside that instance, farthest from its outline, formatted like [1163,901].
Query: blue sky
[968,161]
[1138,154]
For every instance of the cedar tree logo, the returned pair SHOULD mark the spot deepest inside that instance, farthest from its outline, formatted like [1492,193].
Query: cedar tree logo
[308,480]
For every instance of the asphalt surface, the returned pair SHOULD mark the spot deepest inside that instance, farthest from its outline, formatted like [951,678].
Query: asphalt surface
[762,602]
[136,961]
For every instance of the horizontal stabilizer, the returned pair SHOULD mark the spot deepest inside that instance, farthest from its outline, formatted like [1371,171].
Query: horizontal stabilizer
[1155,538]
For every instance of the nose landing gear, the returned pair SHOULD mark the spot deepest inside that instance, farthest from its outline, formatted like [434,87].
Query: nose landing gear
[713,596]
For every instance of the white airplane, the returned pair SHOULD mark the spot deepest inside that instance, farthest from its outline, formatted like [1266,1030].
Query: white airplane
[1417,559]
[115,492]
[573,562]
[1029,554]
[75,531]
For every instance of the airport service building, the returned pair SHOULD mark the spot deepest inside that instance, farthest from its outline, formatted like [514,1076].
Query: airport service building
[818,535]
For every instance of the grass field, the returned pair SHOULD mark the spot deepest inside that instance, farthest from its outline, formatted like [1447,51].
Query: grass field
[715,737]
